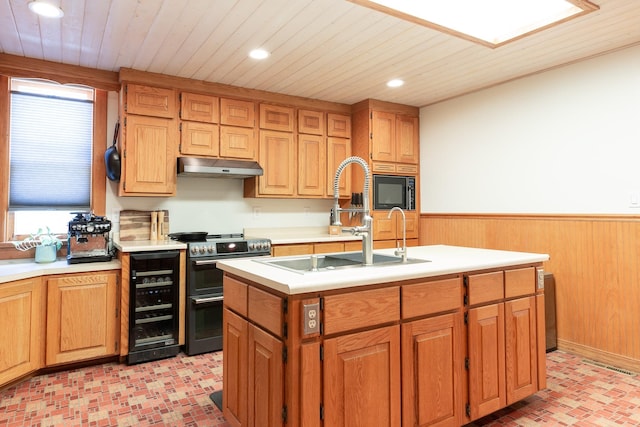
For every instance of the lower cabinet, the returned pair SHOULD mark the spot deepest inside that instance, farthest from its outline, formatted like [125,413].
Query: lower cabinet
[362,379]
[22,310]
[316,248]
[82,317]
[434,351]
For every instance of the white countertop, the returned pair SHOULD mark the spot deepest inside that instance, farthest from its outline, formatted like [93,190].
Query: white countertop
[18,269]
[147,245]
[443,260]
[293,235]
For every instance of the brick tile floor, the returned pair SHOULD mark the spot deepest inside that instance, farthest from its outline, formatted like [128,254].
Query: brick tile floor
[175,392]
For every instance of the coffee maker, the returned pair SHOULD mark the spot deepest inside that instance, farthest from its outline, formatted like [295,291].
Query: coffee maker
[88,238]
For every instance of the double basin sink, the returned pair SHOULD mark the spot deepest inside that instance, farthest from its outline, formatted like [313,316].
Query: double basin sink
[317,263]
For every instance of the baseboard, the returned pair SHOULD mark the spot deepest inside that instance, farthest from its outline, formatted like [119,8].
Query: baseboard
[601,356]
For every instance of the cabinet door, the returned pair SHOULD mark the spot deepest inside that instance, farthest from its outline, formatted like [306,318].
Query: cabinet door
[199,108]
[266,379]
[237,113]
[150,155]
[412,224]
[277,157]
[431,366]
[487,360]
[81,317]
[200,139]
[312,165]
[339,125]
[311,122]
[234,368]
[150,101]
[384,136]
[275,117]
[384,228]
[338,149]
[22,310]
[238,143]
[521,348]
[362,379]
[407,139]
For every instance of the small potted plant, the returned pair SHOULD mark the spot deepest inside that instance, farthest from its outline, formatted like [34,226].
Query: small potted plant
[46,244]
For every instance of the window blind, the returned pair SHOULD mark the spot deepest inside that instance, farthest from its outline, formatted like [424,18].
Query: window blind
[50,152]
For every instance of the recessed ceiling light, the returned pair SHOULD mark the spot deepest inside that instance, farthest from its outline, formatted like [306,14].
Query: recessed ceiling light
[259,54]
[395,83]
[488,22]
[46,9]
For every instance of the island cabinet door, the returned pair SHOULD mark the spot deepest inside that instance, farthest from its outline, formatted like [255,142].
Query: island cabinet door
[362,379]
[486,353]
[234,368]
[266,380]
[521,349]
[432,358]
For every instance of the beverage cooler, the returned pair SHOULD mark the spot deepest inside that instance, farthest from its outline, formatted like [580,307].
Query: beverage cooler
[153,306]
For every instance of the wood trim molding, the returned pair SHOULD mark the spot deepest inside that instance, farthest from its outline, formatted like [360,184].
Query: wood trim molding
[98,168]
[4,155]
[19,66]
[593,259]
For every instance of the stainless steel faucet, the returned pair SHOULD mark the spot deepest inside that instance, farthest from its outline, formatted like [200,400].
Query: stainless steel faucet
[402,251]
[366,229]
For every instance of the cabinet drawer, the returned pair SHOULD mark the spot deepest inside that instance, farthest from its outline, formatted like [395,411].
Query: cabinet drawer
[274,117]
[355,310]
[328,247]
[519,282]
[420,299]
[383,167]
[266,310]
[235,295]
[486,287]
[289,250]
[407,169]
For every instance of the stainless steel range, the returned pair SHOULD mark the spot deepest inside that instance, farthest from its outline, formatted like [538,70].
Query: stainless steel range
[204,285]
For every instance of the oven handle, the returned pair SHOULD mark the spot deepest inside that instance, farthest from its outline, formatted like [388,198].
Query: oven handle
[198,301]
[205,262]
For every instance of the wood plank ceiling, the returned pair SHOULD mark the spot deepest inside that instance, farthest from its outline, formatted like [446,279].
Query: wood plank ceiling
[331,50]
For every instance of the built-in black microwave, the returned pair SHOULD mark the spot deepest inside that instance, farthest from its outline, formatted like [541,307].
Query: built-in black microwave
[391,191]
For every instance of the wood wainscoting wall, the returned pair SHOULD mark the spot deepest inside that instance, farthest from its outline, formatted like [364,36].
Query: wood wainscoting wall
[595,261]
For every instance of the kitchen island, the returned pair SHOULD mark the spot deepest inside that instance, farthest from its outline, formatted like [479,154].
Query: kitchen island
[441,342]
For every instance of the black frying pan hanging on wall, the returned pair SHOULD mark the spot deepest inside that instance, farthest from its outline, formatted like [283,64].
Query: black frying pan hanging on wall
[112,157]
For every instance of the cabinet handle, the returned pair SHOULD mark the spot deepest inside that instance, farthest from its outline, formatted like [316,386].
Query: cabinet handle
[198,301]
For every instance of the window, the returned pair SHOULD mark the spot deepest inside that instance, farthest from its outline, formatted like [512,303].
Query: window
[50,154]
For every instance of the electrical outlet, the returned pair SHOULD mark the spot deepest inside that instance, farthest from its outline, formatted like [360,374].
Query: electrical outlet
[256,212]
[311,318]
[540,272]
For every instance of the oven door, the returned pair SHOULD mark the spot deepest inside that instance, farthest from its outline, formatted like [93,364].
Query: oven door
[204,324]
[204,277]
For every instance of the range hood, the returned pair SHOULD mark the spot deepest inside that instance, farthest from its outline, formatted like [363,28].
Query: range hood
[218,168]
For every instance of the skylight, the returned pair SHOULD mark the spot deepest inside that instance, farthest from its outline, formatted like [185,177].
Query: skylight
[488,22]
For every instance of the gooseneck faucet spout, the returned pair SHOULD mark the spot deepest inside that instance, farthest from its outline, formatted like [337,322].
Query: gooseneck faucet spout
[402,251]
[366,229]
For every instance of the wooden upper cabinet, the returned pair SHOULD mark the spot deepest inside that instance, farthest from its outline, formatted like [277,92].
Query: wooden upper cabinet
[150,101]
[407,139]
[237,113]
[338,149]
[149,161]
[384,136]
[311,122]
[339,125]
[312,165]
[238,143]
[277,158]
[199,139]
[199,108]
[275,117]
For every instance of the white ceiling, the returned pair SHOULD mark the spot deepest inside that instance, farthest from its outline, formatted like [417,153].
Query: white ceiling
[331,50]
